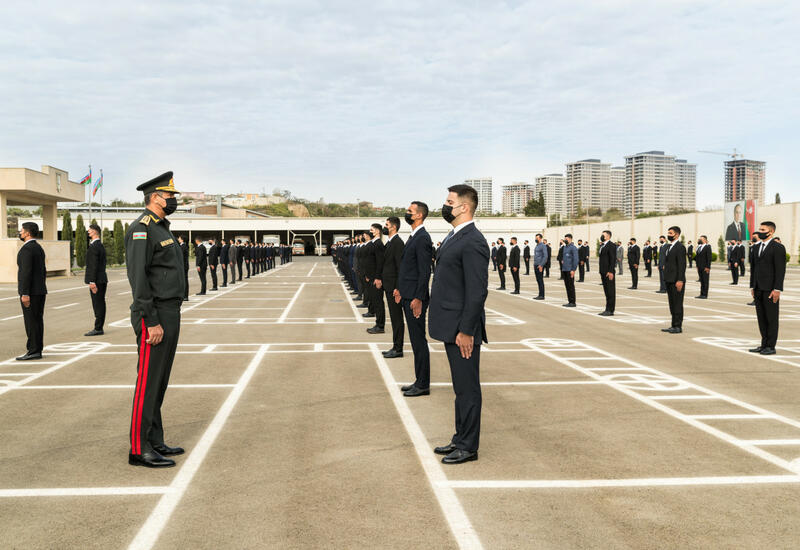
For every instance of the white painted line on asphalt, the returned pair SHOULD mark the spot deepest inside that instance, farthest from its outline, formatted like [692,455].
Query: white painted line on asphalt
[84,491]
[82,287]
[160,516]
[760,442]
[12,317]
[357,314]
[457,519]
[729,416]
[66,306]
[598,483]
[548,383]
[285,313]
[311,270]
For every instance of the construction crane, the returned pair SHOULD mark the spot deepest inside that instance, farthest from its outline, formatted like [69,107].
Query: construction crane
[735,155]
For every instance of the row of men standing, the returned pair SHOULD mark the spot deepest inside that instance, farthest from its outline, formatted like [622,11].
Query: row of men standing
[254,258]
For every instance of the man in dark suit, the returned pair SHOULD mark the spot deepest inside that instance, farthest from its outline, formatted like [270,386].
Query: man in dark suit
[32,290]
[742,255]
[513,263]
[735,231]
[703,257]
[213,261]
[458,317]
[494,256]
[526,257]
[674,256]
[185,251]
[502,262]
[233,256]
[607,262]
[689,252]
[392,253]
[647,255]
[586,255]
[412,293]
[549,259]
[560,259]
[240,253]
[95,276]
[662,289]
[224,259]
[201,262]
[634,255]
[766,285]
[583,254]
[569,264]
[374,272]
[733,262]
[539,261]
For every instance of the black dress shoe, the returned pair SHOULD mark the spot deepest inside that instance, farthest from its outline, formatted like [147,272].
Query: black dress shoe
[150,459]
[501,288]
[570,304]
[605,314]
[672,330]
[200,294]
[661,291]
[416,392]
[215,289]
[406,388]
[767,351]
[459,456]
[701,297]
[94,332]
[29,357]
[515,292]
[163,450]
[538,298]
[368,315]
[375,330]
[756,350]
[751,303]
[631,288]
[445,450]
[393,354]
[362,305]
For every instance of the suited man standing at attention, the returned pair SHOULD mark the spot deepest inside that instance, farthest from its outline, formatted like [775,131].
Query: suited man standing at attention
[494,256]
[201,262]
[675,277]
[539,261]
[742,255]
[233,255]
[647,256]
[374,272]
[502,256]
[569,263]
[412,293]
[224,259]
[634,254]
[560,259]
[526,257]
[733,262]
[586,254]
[458,317]
[607,261]
[703,257]
[662,289]
[583,253]
[619,256]
[689,255]
[32,290]
[95,276]
[185,251]
[549,259]
[392,253]
[213,261]
[766,284]
[513,263]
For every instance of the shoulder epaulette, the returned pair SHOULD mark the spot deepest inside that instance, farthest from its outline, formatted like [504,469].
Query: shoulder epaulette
[145,220]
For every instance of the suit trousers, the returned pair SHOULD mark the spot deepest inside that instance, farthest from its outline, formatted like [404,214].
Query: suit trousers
[547,271]
[649,267]
[467,387]
[527,266]
[155,366]
[741,268]
[419,344]
[233,273]
[224,269]
[735,273]
[99,305]
[202,275]
[539,279]
[663,285]
[502,274]
[213,269]
[587,265]
[240,262]
[767,314]
[675,299]
[689,259]
[610,290]
[33,316]
[396,317]
[704,277]
[515,276]
[619,266]
[186,283]
[581,271]
[247,265]
[377,305]
[569,284]
[494,264]
[634,276]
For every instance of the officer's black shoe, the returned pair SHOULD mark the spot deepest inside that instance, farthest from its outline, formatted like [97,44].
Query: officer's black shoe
[375,330]
[445,450]
[756,350]
[200,294]
[460,456]
[367,315]
[661,291]
[94,332]
[767,351]
[406,388]
[29,356]
[393,354]
[163,450]
[631,288]
[416,392]
[150,459]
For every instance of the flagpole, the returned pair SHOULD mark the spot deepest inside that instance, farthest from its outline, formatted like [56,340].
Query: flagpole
[90,195]
[101,200]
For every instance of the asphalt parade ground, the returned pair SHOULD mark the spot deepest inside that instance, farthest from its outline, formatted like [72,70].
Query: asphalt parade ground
[597,432]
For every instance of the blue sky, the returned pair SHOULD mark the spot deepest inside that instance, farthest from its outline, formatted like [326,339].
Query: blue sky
[394,101]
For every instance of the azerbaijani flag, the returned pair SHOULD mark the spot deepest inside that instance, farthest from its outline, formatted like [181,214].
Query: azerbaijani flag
[98,184]
[87,178]
[749,218]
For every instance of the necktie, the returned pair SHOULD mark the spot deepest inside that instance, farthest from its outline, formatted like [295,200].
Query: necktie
[447,238]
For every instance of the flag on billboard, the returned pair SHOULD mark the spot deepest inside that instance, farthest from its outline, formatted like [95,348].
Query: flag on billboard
[749,218]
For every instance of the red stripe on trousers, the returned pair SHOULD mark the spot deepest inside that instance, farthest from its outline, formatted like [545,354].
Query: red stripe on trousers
[134,438]
[144,363]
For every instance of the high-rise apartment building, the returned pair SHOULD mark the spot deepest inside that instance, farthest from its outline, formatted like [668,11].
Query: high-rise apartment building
[516,196]
[588,185]
[617,188]
[553,188]
[484,188]
[745,180]
[656,182]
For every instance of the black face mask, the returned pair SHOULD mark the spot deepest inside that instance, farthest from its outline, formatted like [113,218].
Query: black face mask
[602,238]
[671,238]
[171,206]
[763,235]
[385,230]
[447,213]
[22,238]
[409,220]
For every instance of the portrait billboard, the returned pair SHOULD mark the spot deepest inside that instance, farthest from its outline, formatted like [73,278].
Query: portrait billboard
[740,220]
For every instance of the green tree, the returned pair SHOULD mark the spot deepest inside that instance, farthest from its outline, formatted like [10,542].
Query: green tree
[613,214]
[535,207]
[721,248]
[66,234]
[80,242]
[108,244]
[119,243]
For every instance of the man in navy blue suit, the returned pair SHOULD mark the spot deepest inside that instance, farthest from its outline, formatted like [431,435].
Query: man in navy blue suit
[569,264]
[412,292]
[458,317]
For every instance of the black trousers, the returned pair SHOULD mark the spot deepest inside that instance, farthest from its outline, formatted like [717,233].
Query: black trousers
[186,283]
[581,271]
[689,259]
[155,366]
[704,277]
[539,279]
[467,387]
[675,299]
[240,262]
[634,275]
[224,269]
[494,264]
[502,274]
[767,314]
[735,273]
[610,290]
[99,305]
[33,316]
[560,272]
[419,344]
[202,275]
[649,267]
[741,268]
[213,269]
[396,317]
[569,284]
[547,271]
[663,285]
[377,305]
[247,264]
[587,265]
[527,265]
[515,276]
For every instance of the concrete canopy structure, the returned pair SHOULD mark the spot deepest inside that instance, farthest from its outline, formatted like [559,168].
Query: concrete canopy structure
[26,187]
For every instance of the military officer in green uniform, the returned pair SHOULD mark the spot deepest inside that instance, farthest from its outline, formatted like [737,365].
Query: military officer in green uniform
[155,272]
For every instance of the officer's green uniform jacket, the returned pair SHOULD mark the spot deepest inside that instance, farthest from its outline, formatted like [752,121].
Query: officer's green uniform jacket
[155,265]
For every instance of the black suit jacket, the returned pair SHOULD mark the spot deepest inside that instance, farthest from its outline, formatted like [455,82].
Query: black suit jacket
[95,264]
[732,235]
[633,255]
[368,261]
[213,255]
[185,251]
[201,256]
[703,257]
[392,254]
[31,270]
[223,255]
[689,250]
[513,258]
[549,256]
[769,267]
[647,253]
[415,267]
[526,252]
[675,263]
[460,286]
[502,255]
[608,258]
